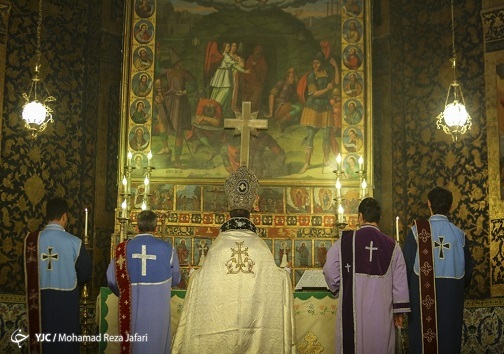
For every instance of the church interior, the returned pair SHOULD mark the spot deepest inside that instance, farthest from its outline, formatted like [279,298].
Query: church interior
[109,162]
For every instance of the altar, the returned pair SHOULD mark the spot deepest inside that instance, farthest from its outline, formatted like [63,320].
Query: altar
[315,317]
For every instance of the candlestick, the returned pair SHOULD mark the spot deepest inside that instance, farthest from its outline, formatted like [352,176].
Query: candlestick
[128,160]
[86,223]
[361,163]
[397,228]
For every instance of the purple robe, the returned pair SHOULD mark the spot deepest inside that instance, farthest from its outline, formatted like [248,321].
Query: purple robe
[367,270]
[153,268]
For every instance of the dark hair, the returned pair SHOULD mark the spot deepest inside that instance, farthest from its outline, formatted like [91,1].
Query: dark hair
[55,208]
[441,200]
[370,209]
[237,213]
[146,221]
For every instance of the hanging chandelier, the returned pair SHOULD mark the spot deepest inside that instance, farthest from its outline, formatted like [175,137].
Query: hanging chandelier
[454,120]
[36,112]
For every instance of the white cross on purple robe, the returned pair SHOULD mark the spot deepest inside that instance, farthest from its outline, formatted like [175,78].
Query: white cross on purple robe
[144,257]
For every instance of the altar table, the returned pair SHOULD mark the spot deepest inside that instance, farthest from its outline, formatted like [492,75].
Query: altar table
[315,317]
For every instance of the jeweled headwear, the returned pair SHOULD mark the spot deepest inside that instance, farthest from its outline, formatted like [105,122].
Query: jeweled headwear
[241,188]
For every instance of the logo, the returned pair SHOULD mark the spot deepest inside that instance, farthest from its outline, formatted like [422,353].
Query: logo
[18,337]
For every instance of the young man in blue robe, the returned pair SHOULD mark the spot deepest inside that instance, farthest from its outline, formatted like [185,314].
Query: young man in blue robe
[439,267]
[56,263]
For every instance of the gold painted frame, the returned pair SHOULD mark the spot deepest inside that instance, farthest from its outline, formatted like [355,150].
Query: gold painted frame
[154,43]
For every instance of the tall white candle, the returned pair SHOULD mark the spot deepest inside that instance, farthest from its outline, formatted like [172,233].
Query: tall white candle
[128,159]
[340,213]
[125,185]
[363,188]
[86,222]
[149,158]
[361,163]
[338,162]
[397,228]
[124,207]
[147,186]
[338,188]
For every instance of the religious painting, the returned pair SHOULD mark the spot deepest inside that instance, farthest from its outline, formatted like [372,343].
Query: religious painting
[140,111]
[139,163]
[298,199]
[138,194]
[271,200]
[321,248]
[184,250]
[303,253]
[323,200]
[302,65]
[200,250]
[188,198]
[214,199]
[283,252]
[351,200]
[161,196]
[184,279]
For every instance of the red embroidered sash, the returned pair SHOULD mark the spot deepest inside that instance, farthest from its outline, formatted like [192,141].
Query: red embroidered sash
[32,290]
[124,304]
[427,287]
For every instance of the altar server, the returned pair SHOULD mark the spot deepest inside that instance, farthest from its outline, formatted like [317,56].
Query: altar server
[142,274]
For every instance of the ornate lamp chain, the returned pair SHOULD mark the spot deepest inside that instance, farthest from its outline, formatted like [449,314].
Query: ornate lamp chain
[39,30]
[454,53]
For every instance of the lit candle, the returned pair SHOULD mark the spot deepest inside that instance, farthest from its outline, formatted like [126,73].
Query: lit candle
[338,187]
[149,157]
[363,188]
[144,205]
[124,209]
[125,185]
[86,223]
[397,228]
[361,163]
[128,161]
[338,162]
[147,186]
[340,213]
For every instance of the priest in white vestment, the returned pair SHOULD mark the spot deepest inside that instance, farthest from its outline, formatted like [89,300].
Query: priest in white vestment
[239,301]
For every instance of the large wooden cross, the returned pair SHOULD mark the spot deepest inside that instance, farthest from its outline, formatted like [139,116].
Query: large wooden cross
[243,122]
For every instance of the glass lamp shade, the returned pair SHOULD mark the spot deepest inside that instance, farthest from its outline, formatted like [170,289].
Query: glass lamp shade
[34,112]
[455,114]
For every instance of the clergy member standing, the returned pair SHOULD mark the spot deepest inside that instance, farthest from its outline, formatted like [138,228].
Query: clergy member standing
[56,262]
[142,275]
[442,250]
[366,269]
[239,301]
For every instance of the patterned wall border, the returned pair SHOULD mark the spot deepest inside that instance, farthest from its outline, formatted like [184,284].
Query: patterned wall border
[493,29]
